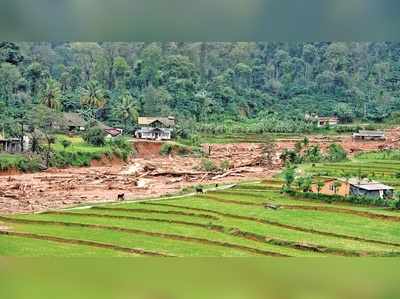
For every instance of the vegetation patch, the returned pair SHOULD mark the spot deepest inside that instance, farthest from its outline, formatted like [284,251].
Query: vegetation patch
[20,162]
[175,148]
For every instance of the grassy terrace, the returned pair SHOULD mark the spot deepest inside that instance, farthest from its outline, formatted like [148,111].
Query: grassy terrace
[381,166]
[221,223]
[77,153]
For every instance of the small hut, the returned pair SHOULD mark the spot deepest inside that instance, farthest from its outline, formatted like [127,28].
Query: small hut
[369,135]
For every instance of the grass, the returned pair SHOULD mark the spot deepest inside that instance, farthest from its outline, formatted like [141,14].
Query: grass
[18,162]
[8,161]
[78,145]
[17,246]
[380,166]
[78,153]
[220,223]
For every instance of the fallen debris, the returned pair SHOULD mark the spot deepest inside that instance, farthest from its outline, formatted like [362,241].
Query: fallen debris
[271,206]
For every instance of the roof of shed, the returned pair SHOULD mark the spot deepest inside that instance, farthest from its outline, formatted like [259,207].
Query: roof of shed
[369,185]
[73,119]
[167,121]
[370,133]
[327,118]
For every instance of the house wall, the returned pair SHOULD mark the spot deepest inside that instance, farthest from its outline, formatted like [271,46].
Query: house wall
[12,147]
[333,122]
[151,135]
[326,122]
[371,193]
[327,189]
[369,137]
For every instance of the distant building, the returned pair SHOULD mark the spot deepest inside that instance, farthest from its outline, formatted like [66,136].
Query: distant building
[355,186]
[369,135]
[14,145]
[113,132]
[329,188]
[327,121]
[72,122]
[322,121]
[155,128]
[370,188]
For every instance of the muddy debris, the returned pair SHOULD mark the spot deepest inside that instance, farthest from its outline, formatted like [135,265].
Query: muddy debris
[149,174]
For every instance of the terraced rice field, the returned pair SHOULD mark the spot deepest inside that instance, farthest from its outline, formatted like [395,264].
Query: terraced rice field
[232,222]
[386,171]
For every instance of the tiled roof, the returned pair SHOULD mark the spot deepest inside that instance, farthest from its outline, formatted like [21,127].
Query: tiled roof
[167,121]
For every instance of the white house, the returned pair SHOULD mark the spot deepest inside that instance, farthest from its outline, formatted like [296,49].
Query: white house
[155,128]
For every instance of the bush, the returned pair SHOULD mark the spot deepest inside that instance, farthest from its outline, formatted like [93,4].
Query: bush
[122,148]
[77,159]
[208,165]
[30,164]
[95,136]
[357,200]
[66,143]
[183,150]
[336,153]
[348,129]
[396,204]
[22,163]
[225,165]
[180,149]
[166,149]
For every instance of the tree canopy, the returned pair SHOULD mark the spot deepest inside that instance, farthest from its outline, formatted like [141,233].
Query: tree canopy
[201,81]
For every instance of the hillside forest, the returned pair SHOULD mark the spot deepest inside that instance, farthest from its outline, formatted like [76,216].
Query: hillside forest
[203,84]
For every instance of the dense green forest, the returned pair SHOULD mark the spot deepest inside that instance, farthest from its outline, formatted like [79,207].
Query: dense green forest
[200,82]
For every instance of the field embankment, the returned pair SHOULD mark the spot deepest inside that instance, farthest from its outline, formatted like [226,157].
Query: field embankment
[235,222]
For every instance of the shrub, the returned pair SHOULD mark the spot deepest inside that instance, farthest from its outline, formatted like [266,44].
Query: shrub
[183,150]
[77,159]
[336,153]
[289,175]
[29,164]
[348,129]
[180,149]
[95,136]
[166,149]
[357,200]
[225,165]
[122,148]
[396,204]
[208,165]
[313,154]
[22,163]
[66,143]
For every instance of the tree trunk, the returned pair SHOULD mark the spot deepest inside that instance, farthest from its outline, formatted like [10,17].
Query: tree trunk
[203,59]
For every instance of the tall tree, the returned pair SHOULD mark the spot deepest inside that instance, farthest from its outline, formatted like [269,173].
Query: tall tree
[125,109]
[51,95]
[92,98]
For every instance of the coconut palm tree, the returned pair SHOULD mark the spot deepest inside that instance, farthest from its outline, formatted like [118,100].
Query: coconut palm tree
[125,109]
[92,97]
[51,95]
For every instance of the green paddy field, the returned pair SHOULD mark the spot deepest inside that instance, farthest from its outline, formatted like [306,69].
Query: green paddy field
[231,223]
